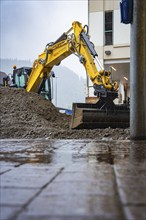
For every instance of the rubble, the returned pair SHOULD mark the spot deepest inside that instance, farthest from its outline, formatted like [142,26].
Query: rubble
[29,115]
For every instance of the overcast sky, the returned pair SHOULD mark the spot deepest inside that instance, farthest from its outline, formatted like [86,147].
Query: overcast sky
[28,25]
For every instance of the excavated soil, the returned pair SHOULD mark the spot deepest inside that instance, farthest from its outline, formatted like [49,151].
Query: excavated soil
[28,115]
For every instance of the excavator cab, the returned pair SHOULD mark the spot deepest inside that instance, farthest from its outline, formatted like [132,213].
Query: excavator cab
[20,79]
[20,76]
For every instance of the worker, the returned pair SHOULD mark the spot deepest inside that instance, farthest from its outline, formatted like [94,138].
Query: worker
[6,80]
[14,68]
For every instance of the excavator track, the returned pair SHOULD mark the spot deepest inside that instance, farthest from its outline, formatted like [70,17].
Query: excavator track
[88,116]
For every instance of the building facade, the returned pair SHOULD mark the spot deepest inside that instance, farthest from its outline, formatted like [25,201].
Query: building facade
[111,39]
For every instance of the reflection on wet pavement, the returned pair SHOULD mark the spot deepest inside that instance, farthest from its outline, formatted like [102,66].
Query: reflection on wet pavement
[73,179]
[43,151]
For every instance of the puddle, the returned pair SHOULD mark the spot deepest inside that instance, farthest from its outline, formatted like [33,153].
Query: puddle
[67,152]
[105,158]
[26,152]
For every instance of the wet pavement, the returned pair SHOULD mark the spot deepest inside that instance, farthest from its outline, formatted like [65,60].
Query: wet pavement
[72,180]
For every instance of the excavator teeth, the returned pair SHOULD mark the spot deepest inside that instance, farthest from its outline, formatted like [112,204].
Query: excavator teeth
[88,116]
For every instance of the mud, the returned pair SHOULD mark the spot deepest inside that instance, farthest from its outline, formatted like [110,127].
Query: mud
[28,115]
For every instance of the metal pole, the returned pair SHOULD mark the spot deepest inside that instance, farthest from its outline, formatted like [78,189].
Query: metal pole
[138,72]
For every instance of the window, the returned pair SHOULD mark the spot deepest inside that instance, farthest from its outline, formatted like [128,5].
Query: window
[108,28]
[20,80]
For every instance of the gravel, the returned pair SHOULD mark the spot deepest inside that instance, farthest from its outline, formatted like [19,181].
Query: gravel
[29,115]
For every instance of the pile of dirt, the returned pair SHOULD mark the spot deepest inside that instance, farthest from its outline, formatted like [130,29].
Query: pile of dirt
[28,115]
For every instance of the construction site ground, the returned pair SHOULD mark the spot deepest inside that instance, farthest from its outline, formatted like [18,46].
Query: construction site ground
[28,115]
[72,180]
[50,172]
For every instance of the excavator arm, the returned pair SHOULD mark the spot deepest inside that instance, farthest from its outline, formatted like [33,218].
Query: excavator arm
[76,41]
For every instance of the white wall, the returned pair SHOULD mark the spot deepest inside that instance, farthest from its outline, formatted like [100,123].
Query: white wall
[96,28]
[121,31]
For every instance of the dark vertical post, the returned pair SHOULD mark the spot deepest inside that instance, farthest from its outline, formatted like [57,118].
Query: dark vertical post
[138,72]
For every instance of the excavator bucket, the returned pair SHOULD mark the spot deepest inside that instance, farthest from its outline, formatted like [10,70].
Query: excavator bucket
[88,116]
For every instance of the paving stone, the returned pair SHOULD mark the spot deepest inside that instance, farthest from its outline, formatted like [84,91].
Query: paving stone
[85,176]
[7,166]
[89,167]
[15,196]
[7,212]
[42,166]
[50,217]
[130,171]
[135,212]
[24,180]
[131,182]
[89,206]
[75,180]
[13,147]
[35,170]
[94,148]
[133,197]
[81,188]
[4,170]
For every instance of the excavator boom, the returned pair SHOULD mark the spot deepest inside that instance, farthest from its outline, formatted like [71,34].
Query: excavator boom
[76,41]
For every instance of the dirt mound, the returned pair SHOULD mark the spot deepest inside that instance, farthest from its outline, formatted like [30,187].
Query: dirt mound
[24,114]
[28,115]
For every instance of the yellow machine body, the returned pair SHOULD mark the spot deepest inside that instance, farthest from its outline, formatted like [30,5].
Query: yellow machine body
[76,41]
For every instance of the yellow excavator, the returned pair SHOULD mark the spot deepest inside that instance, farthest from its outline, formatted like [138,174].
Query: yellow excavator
[85,115]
